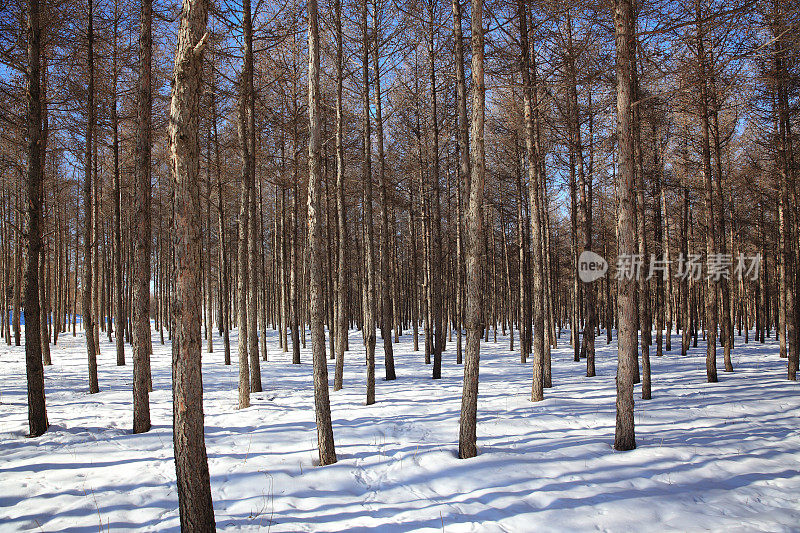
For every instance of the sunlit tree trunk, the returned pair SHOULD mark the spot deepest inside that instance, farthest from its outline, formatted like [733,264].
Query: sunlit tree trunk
[467,438]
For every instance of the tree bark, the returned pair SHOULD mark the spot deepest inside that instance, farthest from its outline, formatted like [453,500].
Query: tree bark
[537,391]
[225,305]
[34,177]
[437,289]
[624,25]
[191,461]
[142,229]
[386,300]
[711,231]
[467,438]
[369,239]
[341,281]
[86,302]
[119,319]
[322,407]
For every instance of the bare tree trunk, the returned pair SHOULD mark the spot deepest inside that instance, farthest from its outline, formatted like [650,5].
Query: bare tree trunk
[250,293]
[467,437]
[34,177]
[254,261]
[341,281]
[142,229]
[437,291]
[294,251]
[18,280]
[624,26]
[242,282]
[262,273]
[726,325]
[118,309]
[86,302]
[209,301]
[223,264]
[191,462]
[386,300]
[537,391]
[665,246]
[322,406]
[43,289]
[711,232]
[369,278]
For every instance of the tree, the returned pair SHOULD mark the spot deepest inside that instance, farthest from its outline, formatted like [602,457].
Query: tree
[624,25]
[386,301]
[34,176]
[243,127]
[86,302]
[322,407]
[118,309]
[142,231]
[467,437]
[711,230]
[369,231]
[340,322]
[537,392]
[191,461]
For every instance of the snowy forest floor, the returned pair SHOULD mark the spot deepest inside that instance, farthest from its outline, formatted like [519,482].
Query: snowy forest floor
[723,457]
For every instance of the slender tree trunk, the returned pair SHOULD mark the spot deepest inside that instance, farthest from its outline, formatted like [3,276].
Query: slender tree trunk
[711,231]
[467,438]
[209,302]
[369,278]
[386,300]
[223,264]
[250,293]
[726,325]
[537,391]
[43,288]
[34,177]
[624,25]
[242,282]
[118,309]
[341,281]
[437,290]
[191,462]
[142,229]
[322,407]
[86,303]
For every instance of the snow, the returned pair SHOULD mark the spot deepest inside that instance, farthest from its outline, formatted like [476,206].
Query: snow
[719,457]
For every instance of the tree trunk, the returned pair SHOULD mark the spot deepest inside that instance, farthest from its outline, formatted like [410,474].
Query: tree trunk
[386,300]
[322,407]
[34,177]
[142,229]
[223,264]
[191,462]
[467,438]
[242,263]
[118,309]
[369,239]
[86,302]
[624,26]
[437,292]
[711,231]
[341,281]
[537,391]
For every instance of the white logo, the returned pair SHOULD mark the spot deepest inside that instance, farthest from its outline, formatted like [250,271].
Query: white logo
[591,266]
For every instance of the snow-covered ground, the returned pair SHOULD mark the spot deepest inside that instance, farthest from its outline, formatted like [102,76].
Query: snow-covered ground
[722,457]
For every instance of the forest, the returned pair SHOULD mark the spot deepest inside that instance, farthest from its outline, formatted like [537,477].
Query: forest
[292,242]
